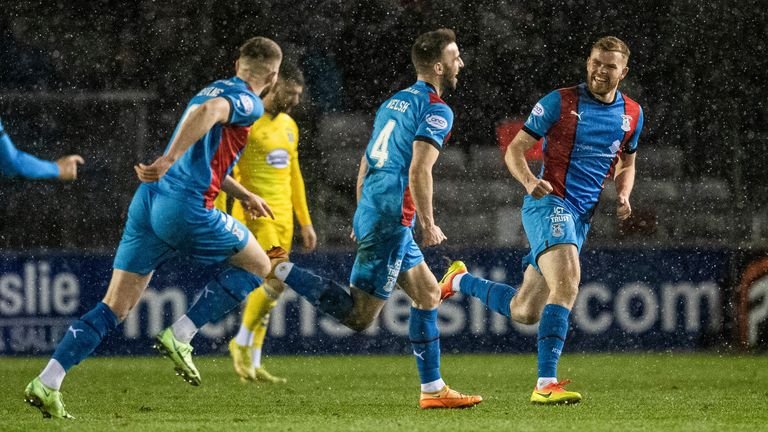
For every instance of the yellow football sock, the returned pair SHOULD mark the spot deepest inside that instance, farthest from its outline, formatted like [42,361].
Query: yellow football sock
[256,314]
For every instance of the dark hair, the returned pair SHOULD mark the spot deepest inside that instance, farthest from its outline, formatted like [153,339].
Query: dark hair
[290,72]
[260,49]
[428,48]
[612,43]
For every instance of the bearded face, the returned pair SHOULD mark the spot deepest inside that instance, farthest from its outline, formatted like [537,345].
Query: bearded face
[605,69]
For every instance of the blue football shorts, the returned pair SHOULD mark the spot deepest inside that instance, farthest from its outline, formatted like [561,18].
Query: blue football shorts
[383,251]
[160,227]
[550,221]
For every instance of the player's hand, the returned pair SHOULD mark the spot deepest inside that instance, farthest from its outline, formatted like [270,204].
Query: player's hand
[539,189]
[309,237]
[352,235]
[256,206]
[623,209]
[432,236]
[153,172]
[68,166]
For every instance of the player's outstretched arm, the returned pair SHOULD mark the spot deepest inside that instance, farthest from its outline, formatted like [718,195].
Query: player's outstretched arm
[198,121]
[253,204]
[624,178]
[68,166]
[14,162]
[518,166]
[420,178]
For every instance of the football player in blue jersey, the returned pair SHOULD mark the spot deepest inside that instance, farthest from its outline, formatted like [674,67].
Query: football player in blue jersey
[394,183]
[172,213]
[14,162]
[591,132]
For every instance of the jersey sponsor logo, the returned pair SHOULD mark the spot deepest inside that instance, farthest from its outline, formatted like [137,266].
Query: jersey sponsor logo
[393,272]
[538,110]
[246,103]
[625,122]
[437,121]
[559,214]
[278,158]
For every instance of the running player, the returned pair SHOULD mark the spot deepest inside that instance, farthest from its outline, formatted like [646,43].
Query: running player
[172,213]
[591,133]
[394,183]
[14,162]
[269,167]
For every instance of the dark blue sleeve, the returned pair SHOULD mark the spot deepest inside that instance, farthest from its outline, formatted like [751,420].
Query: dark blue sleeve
[14,162]
[245,107]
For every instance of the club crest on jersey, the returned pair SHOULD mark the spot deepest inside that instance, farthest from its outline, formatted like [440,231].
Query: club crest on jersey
[538,110]
[278,158]
[557,230]
[437,121]
[625,122]
[246,103]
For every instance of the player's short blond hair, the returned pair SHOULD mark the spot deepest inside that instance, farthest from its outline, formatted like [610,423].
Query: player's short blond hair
[612,43]
[259,51]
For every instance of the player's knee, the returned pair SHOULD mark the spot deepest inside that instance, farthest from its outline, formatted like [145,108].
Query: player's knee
[427,299]
[527,317]
[358,324]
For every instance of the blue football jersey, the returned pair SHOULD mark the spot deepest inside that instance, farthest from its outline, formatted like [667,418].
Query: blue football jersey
[198,174]
[413,114]
[583,138]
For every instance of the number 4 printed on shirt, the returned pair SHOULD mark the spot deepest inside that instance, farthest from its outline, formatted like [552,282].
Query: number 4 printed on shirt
[379,151]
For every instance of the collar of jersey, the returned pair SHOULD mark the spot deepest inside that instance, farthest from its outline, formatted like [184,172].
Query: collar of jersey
[242,81]
[583,86]
[428,85]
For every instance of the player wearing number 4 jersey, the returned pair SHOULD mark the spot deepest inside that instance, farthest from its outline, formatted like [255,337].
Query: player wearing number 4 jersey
[591,133]
[394,183]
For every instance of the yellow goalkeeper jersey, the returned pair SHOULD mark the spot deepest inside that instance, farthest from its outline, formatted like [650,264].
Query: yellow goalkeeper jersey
[269,167]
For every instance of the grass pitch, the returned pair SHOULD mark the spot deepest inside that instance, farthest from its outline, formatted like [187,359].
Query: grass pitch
[696,392]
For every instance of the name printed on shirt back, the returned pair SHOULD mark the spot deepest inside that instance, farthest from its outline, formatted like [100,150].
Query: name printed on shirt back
[210,91]
[398,105]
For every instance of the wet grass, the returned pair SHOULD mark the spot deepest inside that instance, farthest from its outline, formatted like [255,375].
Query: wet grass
[624,392]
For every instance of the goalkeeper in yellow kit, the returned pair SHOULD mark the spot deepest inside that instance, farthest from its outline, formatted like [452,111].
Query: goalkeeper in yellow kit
[269,167]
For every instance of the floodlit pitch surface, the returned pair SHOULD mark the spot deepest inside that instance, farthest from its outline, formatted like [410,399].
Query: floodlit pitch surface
[622,392]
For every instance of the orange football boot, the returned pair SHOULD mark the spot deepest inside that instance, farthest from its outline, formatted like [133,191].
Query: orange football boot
[448,398]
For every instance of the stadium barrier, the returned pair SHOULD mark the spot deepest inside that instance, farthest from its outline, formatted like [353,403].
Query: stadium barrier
[633,300]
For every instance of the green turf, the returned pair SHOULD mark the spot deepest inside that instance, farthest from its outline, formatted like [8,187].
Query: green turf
[365,393]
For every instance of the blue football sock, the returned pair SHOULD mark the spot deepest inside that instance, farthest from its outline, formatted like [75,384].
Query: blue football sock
[325,294]
[84,335]
[425,340]
[224,292]
[494,295]
[552,330]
